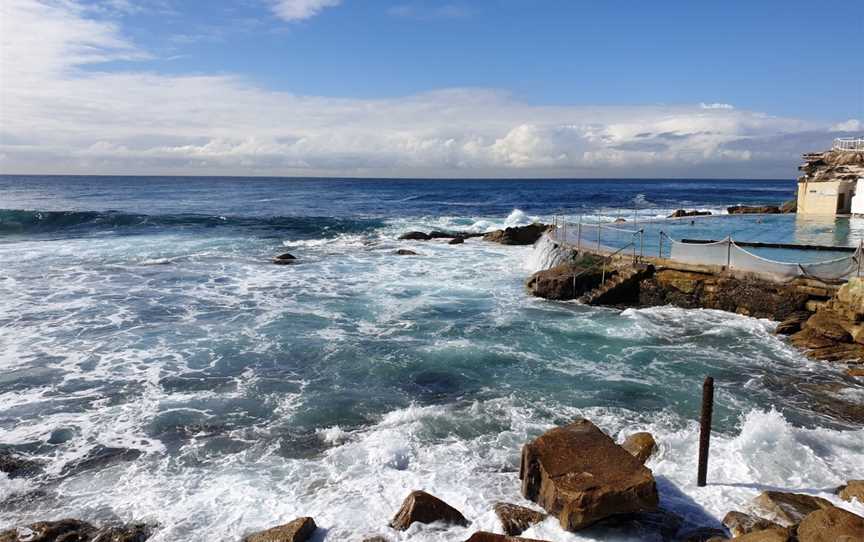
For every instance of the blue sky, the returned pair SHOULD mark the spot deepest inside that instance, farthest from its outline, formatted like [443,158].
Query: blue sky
[481,88]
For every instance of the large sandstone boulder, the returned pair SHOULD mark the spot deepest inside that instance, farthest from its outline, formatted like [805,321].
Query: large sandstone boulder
[854,489]
[298,530]
[740,523]
[517,235]
[425,508]
[482,536]
[569,280]
[831,525]
[578,474]
[641,445]
[787,509]
[516,519]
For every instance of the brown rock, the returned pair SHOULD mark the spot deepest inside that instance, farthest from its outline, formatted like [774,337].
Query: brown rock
[482,536]
[789,508]
[414,236]
[425,508]
[855,371]
[831,525]
[65,530]
[518,235]
[580,475]
[566,281]
[405,252]
[16,467]
[681,213]
[790,206]
[702,534]
[792,324]
[641,445]
[854,489]
[456,241]
[296,531]
[515,519]
[829,325]
[134,532]
[752,209]
[740,523]
[768,535]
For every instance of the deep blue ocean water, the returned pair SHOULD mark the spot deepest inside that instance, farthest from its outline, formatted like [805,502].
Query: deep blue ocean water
[143,314]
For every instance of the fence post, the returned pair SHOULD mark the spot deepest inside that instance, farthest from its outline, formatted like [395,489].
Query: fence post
[598,237]
[728,252]
[660,244]
[579,236]
[705,430]
[641,243]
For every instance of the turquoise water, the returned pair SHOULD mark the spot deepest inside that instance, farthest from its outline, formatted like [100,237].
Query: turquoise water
[145,315]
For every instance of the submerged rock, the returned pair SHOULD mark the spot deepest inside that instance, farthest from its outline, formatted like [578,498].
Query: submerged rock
[482,536]
[681,213]
[702,534]
[854,489]
[831,525]
[641,445]
[456,241]
[768,535]
[578,474]
[422,507]
[298,530]
[73,530]
[285,259]
[17,467]
[518,235]
[414,236]
[789,508]
[99,457]
[661,524]
[740,523]
[405,252]
[516,519]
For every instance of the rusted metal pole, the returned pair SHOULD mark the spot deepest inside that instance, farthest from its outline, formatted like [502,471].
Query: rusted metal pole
[705,429]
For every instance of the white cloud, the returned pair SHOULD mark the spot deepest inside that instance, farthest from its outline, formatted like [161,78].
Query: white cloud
[297,10]
[851,125]
[59,114]
[703,105]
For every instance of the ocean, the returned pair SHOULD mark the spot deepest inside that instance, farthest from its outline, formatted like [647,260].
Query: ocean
[162,369]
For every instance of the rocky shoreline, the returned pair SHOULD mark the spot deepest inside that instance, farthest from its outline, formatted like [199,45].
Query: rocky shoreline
[577,476]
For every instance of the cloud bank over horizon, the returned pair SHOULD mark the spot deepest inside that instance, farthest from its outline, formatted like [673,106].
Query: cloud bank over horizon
[62,111]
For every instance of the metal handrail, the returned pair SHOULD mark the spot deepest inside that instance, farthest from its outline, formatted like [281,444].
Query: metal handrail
[854,144]
[606,259]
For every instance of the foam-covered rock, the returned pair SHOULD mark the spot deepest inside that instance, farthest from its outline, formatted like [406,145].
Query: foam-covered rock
[854,489]
[482,536]
[516,519]
[414,236]
[641,445]
[578,474]
[787,509]
[740,523]
[517,235]
[422,507]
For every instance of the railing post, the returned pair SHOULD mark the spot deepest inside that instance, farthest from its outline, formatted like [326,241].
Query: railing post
[641,243]
[598,237]
[729,253]
[705,430]
[579,236]
[660,244]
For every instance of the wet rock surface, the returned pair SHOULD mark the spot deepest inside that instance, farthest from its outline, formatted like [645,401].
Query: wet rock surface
[405,252]
[73,530]
[753,209]
[836,331]
[298,530]
[682,213]
[641,445]
[567,281]
[853,489]
[285,259]
[516,519]
[422,507]
[787,509]
[16,467]
[740,523]
[578,474]
[483,536]
[518,235]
